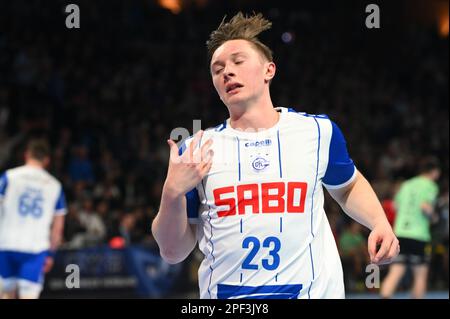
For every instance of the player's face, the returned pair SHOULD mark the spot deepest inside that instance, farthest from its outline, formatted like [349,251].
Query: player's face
[240,73]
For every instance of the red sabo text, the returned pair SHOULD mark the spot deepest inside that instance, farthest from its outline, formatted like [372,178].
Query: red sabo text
[283,203]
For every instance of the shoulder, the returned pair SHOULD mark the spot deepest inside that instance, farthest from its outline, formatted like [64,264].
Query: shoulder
[185,142]
[220,128]
[295,113]
[321,120]
[13,172]
[48,179]
[322,123]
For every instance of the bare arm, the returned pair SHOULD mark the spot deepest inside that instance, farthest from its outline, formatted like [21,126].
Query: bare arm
[56,235]
[56,232]
[427,208]
[175,237]
[360,202]
[171,229]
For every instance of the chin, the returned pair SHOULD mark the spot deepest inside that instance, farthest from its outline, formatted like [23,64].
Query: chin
[236,105]
[236,101]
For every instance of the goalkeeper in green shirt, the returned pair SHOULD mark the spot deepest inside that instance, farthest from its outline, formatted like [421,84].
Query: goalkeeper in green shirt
[414,203]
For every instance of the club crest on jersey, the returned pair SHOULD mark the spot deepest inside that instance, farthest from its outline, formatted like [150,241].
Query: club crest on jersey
[259,164]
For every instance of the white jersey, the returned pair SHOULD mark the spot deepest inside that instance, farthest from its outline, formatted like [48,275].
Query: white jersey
[29,199]
[259,211]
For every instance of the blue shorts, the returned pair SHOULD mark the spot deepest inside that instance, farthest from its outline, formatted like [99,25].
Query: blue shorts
[18,265]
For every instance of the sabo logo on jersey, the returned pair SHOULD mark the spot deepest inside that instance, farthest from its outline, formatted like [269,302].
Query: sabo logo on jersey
[289,197]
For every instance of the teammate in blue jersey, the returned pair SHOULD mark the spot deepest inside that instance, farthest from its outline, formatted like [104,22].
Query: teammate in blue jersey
[32,209]
[250,191]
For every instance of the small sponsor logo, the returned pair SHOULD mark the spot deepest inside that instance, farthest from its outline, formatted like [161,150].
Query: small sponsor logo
[266,142]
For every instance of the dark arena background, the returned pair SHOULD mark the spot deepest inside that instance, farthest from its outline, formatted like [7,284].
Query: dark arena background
[108,94]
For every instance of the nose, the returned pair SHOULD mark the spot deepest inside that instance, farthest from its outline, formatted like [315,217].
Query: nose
[228,72]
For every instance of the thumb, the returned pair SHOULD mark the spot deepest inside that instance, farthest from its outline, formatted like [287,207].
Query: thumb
[173,149]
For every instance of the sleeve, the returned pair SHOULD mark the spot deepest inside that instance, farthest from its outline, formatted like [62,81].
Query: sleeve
[3,185]
[341,170]
[192,198]
[61,206]
[431,194]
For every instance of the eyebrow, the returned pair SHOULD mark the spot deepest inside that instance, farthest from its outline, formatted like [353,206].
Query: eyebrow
[233,55]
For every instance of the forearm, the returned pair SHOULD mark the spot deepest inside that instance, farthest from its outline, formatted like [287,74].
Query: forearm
[55,242]
[427,209]
[56,233]
[171,228]
[361,203]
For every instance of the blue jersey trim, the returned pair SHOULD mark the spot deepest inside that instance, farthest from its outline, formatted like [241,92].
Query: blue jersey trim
[211,241]
[320,116]
[60,205]
[3,184]
[210,238]
[313,275]
[221,126]
[281,224]
[340,167]
[279,153]
[239,158]
[317,173]
[192,198]
[312,201]
[192,203]
[259,292]
[182,149]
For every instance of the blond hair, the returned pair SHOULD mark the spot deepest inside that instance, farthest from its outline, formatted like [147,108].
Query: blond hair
[241,27]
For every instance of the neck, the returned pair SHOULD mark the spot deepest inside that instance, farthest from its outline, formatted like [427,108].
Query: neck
[428,176]
[255,116]
[34,163]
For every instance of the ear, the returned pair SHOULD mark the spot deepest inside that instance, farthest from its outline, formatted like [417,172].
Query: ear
[270,69]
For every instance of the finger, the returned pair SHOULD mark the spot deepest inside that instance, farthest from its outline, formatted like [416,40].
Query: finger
[207,158]
[381,254]
[194,144]
[393,252]
[395,249]
[206,168]
[205,149]
[173,149]
[372,245]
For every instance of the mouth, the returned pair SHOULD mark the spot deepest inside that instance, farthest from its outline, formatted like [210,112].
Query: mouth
[233,87]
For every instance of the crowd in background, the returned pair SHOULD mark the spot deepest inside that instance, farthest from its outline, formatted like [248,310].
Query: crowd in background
[108,95]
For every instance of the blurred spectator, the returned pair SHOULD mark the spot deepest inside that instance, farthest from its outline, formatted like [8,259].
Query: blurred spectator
[95,233]
[80,166]
[354,255]
[73,227]
[127,228]
[440,234]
